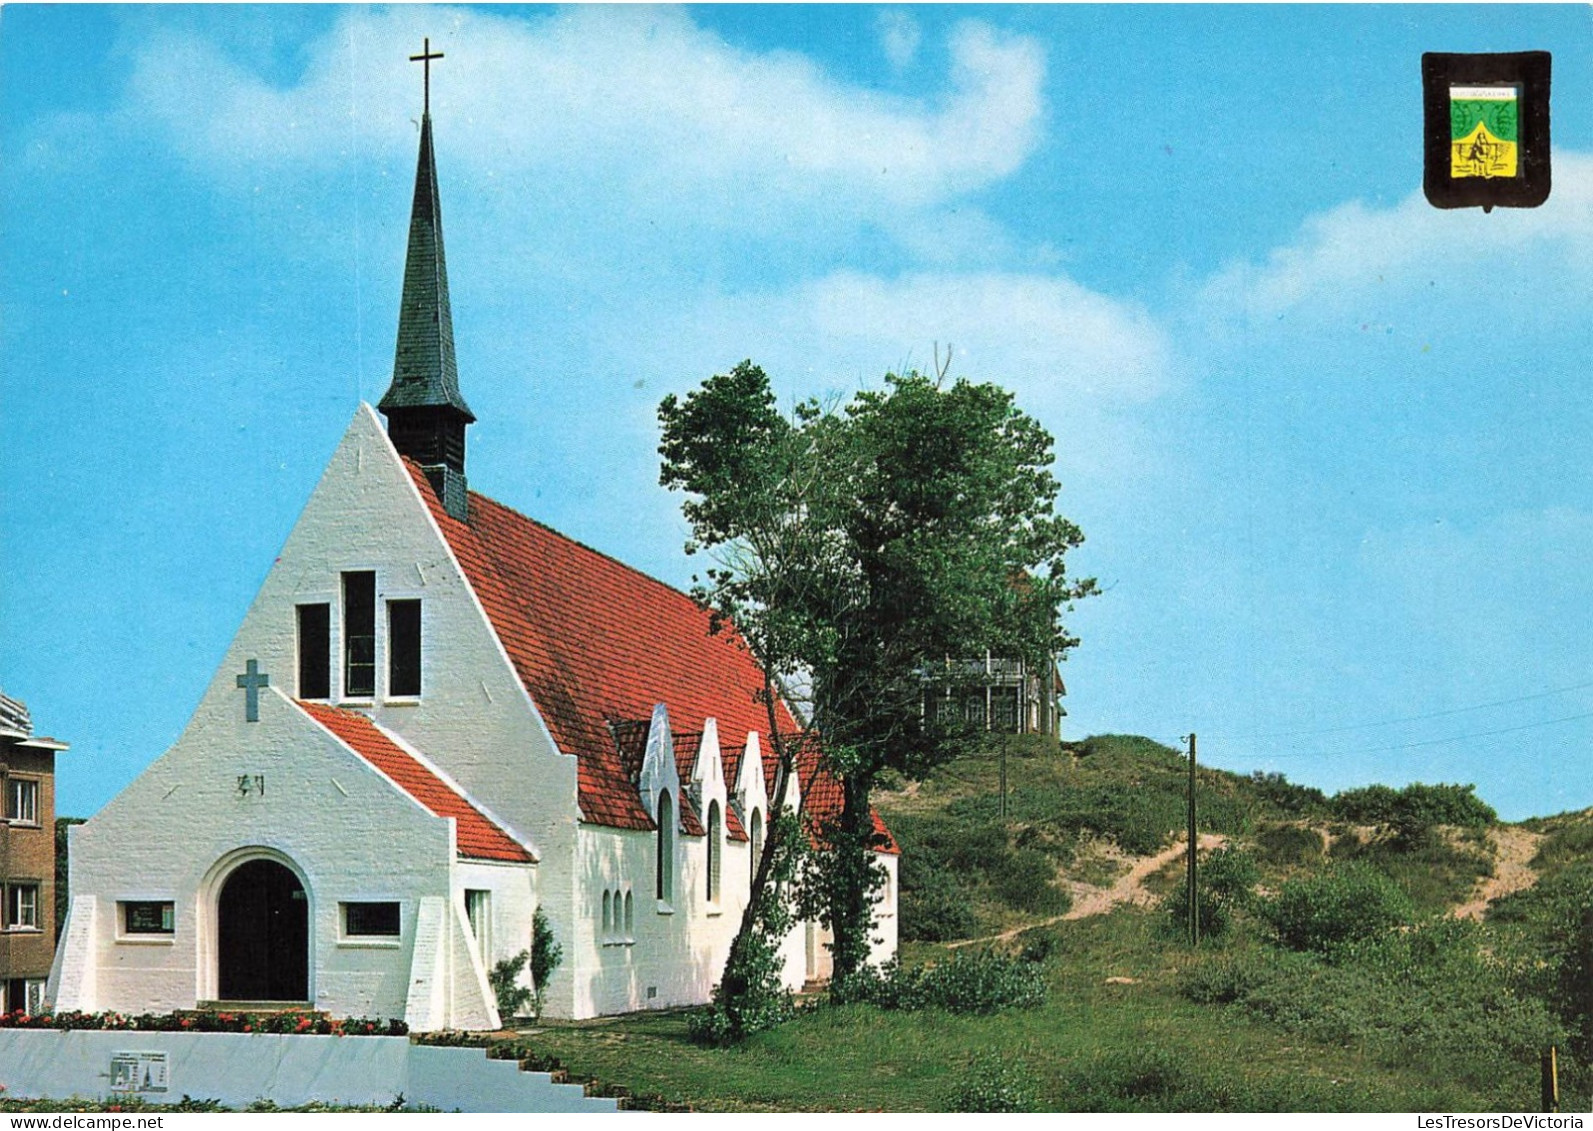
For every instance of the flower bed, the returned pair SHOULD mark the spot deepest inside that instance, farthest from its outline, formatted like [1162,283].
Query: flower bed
[206,1021]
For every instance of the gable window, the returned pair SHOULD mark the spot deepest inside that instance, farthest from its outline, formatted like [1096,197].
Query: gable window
[370,920]
[359,634]
[666,848]
[315,651]
[715,852]
[148,917]
[403,647]
[22,907]
[757,846]
[22,801]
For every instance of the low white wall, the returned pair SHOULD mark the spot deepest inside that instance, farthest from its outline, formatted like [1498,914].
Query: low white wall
[239,1068]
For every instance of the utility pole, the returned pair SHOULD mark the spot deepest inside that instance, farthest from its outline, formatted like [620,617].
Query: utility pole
[1194,904]
[1003,778]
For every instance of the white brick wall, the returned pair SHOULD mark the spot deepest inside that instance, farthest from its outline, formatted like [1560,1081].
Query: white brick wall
[181,825]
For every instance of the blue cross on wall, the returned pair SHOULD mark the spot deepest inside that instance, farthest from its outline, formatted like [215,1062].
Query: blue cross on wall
[252,680]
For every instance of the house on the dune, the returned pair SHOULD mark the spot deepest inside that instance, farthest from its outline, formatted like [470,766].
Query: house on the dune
[437,717]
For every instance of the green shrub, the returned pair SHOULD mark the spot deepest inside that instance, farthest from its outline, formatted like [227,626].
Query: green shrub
[1026,879]
[991,1083]
[545,956]
[1415,807]
[970,981]
[1434,998]
[1226,880]
[1289,845]
[1038,946]
[938,915]
[1346,903]
[504,977]
[1279,791]
[1565,846]
[1434,872]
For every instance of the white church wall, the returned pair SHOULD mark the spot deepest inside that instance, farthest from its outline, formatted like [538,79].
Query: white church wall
[178,829]
[473,718]
[512,901]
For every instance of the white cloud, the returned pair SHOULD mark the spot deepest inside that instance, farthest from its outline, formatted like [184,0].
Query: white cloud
[899,36]
[1353,251]
[640,96]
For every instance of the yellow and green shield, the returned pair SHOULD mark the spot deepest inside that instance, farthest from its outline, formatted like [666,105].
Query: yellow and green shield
[1483,131]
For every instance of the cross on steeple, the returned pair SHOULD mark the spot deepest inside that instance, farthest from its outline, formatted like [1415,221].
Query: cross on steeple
[251,681]
[424,59]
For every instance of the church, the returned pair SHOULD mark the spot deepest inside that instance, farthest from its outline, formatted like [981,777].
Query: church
[437,718]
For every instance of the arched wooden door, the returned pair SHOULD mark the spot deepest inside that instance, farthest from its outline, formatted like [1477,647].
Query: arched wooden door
[263,935]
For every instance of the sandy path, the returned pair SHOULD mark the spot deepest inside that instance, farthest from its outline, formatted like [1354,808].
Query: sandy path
[1512,870]
[1127,888]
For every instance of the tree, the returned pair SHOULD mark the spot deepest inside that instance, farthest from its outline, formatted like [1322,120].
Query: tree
[853,545]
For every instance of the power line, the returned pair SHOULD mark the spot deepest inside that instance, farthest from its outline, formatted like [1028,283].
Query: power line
[1415,718]
[1425,742]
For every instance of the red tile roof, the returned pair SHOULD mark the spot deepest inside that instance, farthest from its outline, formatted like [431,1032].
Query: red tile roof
[598,645]
[475,833]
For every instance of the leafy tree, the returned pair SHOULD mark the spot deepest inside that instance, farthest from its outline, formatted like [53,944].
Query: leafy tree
[851,546]
[63,894]
[545,957]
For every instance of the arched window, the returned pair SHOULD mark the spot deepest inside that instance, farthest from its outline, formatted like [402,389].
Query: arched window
[630,930]
[608,913]
[666,847]
[757,846]
[714,852]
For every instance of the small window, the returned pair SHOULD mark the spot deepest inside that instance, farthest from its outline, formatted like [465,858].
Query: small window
[630,932]
[148,917]
[22,907]
[315,651]
[359,634]
[666,847]
[715,852]
[757,847]
[23,994]
[22,801]
[370,920]
[403,647]
[608,913]
[478,909]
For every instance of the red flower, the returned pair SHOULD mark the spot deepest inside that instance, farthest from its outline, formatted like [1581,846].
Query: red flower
[187,1022]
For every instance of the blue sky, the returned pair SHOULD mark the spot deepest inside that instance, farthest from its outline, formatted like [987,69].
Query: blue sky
[1328,444]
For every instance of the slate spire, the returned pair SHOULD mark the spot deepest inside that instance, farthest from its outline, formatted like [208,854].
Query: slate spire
[426,413]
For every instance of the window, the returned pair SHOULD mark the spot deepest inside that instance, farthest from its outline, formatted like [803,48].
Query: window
[403,647]
[630,933]
[370,920]
[22,801]
[757,847]
[148,917]
[478,909]
[315,651]
[608,914]
[359,634]
[22,907]
[666,847]
[25,994]
[715,852]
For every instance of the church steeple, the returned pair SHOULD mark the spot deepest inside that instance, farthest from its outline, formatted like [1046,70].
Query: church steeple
[426,413]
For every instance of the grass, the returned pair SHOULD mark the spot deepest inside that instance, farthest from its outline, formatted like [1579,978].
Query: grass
[1095,1045]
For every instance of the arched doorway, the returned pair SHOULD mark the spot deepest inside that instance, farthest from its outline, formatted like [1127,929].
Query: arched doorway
[262,935]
